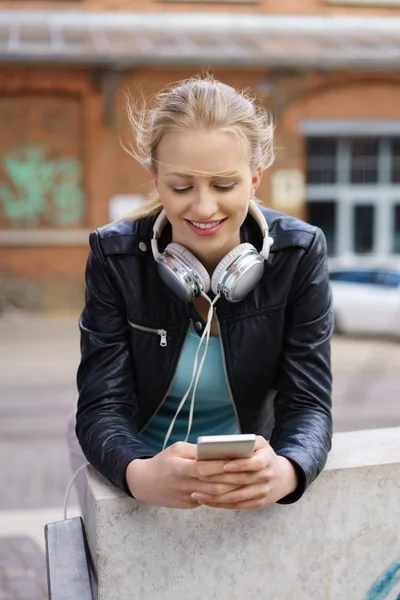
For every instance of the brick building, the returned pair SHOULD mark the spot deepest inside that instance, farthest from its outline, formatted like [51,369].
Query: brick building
[327,69]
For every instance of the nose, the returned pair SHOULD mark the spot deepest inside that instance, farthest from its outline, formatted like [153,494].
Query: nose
[205,204]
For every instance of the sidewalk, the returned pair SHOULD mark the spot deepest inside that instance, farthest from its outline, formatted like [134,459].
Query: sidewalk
[38,358]
[22,552]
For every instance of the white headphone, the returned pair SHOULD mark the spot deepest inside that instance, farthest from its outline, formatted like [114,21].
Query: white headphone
[234,277]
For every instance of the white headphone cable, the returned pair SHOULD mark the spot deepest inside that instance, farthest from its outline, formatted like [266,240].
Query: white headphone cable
[71,482]
[197,369]
[195,374]
[207,338]
[195,379]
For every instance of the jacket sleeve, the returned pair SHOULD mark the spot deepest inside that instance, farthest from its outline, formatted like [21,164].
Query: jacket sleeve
[105,420]
[303,419]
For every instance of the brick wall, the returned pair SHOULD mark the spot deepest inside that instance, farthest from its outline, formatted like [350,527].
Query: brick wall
[50,124]
[42,163]
[43,278]
[52,277]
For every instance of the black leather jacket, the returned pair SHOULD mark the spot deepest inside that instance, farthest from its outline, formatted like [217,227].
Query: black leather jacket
[276,346]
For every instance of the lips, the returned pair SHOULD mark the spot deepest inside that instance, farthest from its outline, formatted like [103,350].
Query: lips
[205,227]
[208,225]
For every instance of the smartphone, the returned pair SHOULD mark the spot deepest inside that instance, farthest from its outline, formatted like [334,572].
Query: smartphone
[212,447]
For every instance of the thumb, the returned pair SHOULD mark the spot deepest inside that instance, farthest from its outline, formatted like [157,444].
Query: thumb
[184,450]
[261,442]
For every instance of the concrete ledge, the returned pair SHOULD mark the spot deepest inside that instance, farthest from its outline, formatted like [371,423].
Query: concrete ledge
[341,541]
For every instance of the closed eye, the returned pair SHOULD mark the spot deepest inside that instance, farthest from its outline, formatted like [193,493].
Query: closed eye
[219,188]
[181,190]
[225,188]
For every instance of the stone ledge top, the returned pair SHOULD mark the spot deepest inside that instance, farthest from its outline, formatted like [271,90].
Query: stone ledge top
[350,450]
[364,448]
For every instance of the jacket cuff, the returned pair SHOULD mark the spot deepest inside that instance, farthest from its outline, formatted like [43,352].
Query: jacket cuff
[119,479]
[300,461]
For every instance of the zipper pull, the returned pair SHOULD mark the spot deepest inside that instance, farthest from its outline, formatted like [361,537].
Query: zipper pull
[163,337]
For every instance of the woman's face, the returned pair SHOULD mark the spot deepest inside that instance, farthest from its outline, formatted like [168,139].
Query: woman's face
[205,212]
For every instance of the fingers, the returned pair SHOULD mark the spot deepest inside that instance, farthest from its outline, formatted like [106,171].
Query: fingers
[247,505]
[241,483]
[207,468]
[183,449]
[245,478]
[212,490]
[190,505]
[261,442]
[260,460]
[190,466]
[247,494]
[188,481]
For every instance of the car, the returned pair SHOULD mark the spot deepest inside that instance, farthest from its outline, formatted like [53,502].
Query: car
[366,295]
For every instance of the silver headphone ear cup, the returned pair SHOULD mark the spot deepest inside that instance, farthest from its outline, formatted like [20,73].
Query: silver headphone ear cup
[193,263]
[182,272]
[226,262]
[238,272]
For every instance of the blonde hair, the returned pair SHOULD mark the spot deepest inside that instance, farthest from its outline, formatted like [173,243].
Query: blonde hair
[204,101]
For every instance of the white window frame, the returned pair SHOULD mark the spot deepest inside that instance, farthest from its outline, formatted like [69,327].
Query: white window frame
[383,195]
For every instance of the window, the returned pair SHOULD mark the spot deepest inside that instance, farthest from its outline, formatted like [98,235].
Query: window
[321,161]
[395,178]
[364,161]
[396,228]
[363,227]
[323,215]
[353,190]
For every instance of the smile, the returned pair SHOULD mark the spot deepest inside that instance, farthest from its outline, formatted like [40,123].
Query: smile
[206,225]
[207,228]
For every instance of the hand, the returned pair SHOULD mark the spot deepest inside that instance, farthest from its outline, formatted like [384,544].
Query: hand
[260,480]
[170,478]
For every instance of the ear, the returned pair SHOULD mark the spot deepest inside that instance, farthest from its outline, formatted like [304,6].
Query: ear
[256,180]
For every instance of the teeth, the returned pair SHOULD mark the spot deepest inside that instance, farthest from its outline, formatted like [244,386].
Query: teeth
[205,225]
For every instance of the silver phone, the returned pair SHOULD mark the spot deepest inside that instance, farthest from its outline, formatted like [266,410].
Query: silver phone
[212,447]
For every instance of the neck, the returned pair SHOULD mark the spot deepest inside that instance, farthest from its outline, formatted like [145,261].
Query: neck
[210,260]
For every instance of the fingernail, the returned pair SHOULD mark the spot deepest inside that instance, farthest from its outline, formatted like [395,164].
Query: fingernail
[231,467]
[197,497]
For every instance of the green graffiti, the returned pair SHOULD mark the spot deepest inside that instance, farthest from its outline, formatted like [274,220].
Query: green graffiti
[41,188]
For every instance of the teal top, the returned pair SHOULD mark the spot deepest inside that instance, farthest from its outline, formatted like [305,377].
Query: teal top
[214,413]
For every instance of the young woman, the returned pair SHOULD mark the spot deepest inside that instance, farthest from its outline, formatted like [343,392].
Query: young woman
[204,277]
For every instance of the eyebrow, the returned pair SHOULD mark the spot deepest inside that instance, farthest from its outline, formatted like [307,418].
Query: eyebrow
[188,176]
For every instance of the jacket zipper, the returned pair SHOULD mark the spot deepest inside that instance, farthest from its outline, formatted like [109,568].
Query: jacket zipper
[226,372]
[161,332]
[168,390]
